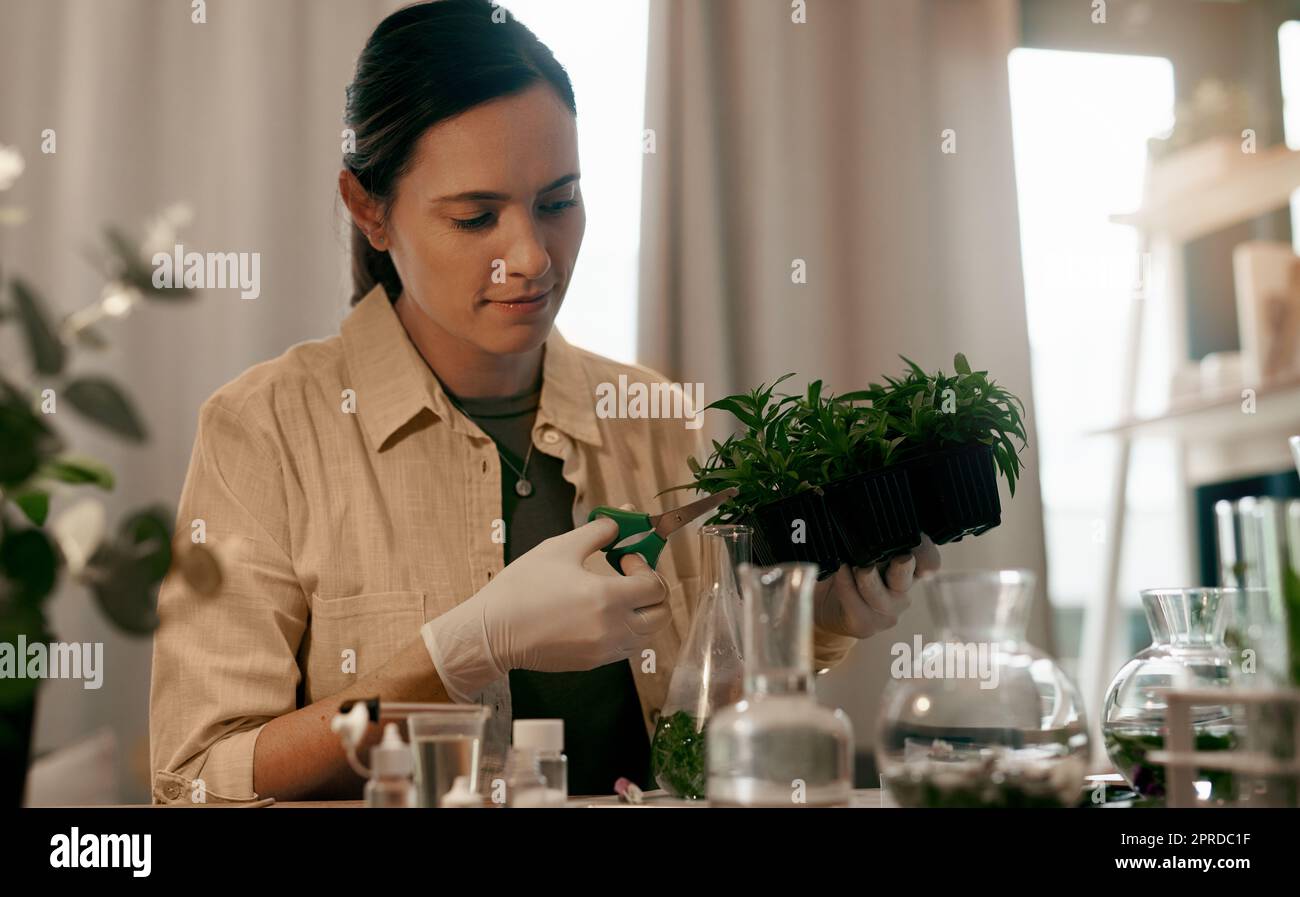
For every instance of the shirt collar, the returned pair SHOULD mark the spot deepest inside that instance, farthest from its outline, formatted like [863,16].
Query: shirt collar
[393,384]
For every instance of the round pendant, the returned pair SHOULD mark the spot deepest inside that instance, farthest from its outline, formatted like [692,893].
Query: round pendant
[523,488]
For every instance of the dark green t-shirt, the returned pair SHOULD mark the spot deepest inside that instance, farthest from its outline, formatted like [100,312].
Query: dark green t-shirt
[604,735]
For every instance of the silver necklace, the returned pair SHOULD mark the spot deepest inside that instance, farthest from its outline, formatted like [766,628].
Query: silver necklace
[523,487]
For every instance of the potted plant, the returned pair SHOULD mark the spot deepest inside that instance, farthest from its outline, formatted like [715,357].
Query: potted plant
[953,435]
[813,479]
[856,478]
[121,569]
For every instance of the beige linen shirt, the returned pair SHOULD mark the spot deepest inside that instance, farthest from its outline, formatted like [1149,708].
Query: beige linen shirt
[352,503]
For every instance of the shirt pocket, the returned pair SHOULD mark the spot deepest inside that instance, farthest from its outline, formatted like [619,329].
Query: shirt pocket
[356,635]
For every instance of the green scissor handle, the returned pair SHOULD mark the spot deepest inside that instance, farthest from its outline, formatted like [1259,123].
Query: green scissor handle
[629,524]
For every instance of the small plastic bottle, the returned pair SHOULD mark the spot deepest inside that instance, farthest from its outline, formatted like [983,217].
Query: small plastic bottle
[390,782]
[537,772]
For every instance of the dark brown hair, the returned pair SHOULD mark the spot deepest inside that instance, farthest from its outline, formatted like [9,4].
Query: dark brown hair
[423,64]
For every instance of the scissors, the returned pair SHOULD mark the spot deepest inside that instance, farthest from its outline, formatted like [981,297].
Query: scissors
[657,528]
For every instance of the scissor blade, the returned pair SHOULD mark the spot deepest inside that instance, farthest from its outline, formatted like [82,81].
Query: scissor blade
[669,522]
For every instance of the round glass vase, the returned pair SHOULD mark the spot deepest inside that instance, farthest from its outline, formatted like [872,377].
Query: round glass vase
[1188,651]
[980,718]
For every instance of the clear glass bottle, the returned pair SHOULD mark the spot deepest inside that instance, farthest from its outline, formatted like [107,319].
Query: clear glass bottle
[525,784]
[980,718]
[709,672]
[537,772]
[778,747]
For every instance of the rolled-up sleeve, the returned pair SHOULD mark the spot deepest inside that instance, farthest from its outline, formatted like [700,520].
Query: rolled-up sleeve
[830,648]
[225,664]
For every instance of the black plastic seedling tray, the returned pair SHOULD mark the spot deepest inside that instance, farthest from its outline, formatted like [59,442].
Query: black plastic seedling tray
[774,526]
[874,516]
[955,492]
[870,517]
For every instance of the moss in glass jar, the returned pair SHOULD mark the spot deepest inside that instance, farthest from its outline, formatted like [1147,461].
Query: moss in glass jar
[1128,751]
[930,794]
[677,757]
[990,778]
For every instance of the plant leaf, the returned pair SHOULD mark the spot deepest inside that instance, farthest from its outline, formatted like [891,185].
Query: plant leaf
[78,470]
[24,438]
[124,574]
[47,351]
[28,560]
[102,402]
[35,505]
[131,268]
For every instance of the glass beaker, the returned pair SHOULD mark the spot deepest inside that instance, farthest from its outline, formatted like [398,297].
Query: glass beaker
[980,718]
[447,742]
[778,747]
[709,672]
[1259,550]
[1270,745]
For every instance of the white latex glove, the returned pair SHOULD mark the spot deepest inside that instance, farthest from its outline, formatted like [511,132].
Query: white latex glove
[546,611]
[858,601]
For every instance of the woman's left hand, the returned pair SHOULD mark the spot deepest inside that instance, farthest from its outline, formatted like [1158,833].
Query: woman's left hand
[857,601]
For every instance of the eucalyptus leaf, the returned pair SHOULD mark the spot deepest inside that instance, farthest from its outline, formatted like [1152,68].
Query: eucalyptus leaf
[28,560]
[78,470]
[25,439]
[19,440]
[102,402]
[47,351]
[131,268]
[124,589]
[148,532]
[124,574]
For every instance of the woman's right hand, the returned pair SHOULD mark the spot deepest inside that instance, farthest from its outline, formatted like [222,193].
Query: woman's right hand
[548,612]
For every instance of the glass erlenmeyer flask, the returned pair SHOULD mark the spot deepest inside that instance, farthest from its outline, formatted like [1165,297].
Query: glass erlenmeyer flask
[779,747]
[709,673]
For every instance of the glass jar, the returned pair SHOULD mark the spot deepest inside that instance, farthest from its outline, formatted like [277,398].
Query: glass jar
[980,718]
[778,747]
[709,672]
[1187,651]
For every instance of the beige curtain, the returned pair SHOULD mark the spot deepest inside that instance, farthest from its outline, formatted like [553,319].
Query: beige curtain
[240,118]
[822,142]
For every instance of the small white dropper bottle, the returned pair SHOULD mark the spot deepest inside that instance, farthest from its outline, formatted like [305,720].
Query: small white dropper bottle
[390,782]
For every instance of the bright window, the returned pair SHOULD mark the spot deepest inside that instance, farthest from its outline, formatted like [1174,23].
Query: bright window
[1081,122]
[602,45]
[1288,39]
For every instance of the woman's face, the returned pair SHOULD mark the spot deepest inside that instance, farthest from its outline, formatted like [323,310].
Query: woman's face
[488,213]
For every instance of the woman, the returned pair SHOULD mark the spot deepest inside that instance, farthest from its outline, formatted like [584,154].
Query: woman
[402,506]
